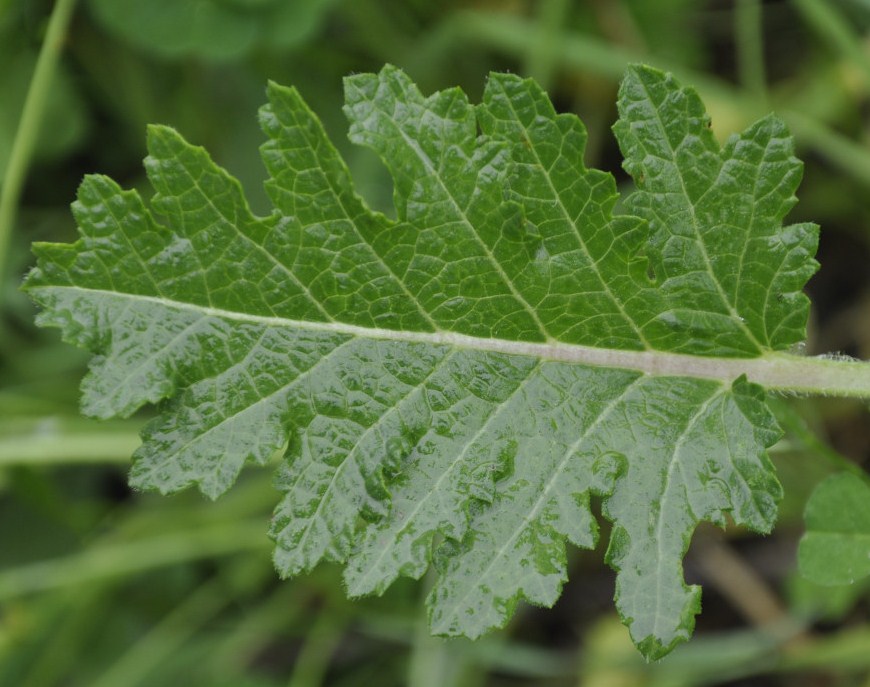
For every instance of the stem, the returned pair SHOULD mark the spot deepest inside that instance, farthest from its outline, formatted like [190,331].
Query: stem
[321,641]
[28,126]
[847,154]
[63,620]
[796,426]
[746,590]
[574,50]
[542,57]
[780,372]
[157,646]
[822,17]
[99,447]
[433,662]
[847,650]
[750,50]
[236,651]
[113,560]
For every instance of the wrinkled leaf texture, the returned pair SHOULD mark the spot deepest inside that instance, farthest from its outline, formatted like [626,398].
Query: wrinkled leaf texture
[392,364]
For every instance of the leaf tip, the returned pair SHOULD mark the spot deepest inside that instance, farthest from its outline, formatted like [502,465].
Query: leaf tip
[642,72]
[161,131]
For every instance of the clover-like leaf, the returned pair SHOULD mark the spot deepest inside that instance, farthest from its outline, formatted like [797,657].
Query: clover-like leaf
[454,386]
[836,546]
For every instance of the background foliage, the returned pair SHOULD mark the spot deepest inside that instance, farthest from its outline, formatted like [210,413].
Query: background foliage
[100,586]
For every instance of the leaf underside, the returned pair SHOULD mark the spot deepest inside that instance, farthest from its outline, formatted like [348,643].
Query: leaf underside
[343,340]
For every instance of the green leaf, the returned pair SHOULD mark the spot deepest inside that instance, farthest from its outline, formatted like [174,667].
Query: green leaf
[836,547]
[455,386]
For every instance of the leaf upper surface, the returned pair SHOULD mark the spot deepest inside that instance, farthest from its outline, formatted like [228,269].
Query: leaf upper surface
[423,379]
[836,546]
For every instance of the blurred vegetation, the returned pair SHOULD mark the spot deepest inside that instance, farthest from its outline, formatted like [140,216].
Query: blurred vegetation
[103,587]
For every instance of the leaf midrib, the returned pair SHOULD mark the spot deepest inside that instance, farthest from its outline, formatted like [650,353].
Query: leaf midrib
[773,369]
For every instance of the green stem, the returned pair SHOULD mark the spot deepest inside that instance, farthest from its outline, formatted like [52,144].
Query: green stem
[846,651]
[113,560]
[72,616]
[320,644]
[98,447]
[434,662]
[794,424]
[822,17]
[847,154]
[574,50]
[750,50]
[779,372]
[152,650]
[257,629]
[542,55]
[28,126]
[495,653]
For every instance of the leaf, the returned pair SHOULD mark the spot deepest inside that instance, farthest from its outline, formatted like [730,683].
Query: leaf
[455,386]
[836,547]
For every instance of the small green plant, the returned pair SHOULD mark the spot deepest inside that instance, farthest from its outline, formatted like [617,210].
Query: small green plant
[452,387]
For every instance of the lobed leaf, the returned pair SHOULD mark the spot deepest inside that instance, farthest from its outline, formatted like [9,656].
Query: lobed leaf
[455,386]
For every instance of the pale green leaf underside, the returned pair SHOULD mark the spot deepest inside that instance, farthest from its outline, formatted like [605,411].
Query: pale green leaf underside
[427,375]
